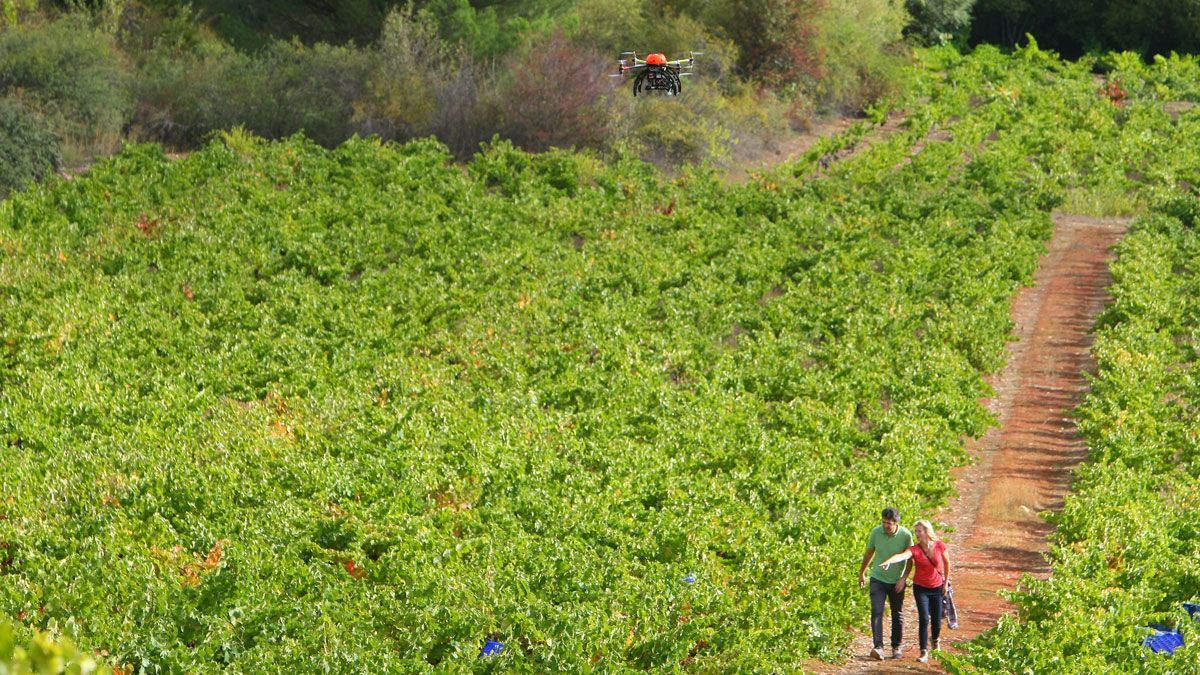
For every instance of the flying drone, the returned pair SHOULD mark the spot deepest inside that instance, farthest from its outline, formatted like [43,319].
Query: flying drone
[655,73]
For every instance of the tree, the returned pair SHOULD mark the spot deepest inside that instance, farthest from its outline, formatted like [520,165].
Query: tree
[939,20]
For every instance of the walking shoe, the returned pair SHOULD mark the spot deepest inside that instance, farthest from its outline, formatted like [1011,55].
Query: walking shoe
[937,644]
[877,653]
[897,652]
[924,657]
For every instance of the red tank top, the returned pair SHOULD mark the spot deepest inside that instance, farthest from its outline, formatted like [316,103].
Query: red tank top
[928,569]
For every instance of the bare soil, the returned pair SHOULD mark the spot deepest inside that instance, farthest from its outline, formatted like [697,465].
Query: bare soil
[1023,466]
[793,147]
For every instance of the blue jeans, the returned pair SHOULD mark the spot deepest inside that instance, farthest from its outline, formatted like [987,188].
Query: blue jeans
[880,591]
[929,610]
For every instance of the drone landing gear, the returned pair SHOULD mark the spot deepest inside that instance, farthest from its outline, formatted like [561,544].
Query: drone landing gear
[657,80]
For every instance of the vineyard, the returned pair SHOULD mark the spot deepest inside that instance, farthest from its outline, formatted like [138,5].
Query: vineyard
[272,407]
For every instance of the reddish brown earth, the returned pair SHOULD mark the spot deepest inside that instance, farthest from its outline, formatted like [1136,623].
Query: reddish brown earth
[1023,466]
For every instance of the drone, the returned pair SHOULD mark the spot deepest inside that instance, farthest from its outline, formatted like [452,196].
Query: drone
[655,73]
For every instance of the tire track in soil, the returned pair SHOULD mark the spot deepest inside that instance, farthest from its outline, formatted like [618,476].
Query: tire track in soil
[1022,466]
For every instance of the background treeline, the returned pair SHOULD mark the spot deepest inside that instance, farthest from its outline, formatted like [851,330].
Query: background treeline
[1076,27]
[78,78]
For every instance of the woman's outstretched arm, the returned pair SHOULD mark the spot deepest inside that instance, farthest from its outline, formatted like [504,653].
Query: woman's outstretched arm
[903,555]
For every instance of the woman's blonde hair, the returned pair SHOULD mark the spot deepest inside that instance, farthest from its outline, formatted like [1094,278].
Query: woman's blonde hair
[928,529]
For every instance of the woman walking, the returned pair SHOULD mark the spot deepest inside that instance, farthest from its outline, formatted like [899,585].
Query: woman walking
[930,581]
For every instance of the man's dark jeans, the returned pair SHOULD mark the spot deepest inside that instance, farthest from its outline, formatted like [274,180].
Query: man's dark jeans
[895,599]
[929,609]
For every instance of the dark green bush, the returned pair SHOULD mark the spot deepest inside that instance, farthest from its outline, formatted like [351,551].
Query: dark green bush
[309,89]
[252,25]
[184,97]
[29,150]
[74,76]
[284,89]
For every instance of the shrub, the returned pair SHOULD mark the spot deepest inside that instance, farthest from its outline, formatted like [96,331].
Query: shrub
[701,126]
[613,26]
[251,26]
[938,21]
[284,89]
[834,53]
[669,135]
[410,61]
[555,96]
[861,50]
[310,89]
[776,39]
[182,97]
[1075,27]
[29,150]
[468,107]
[479,31]
[152,31]
[74,76]
[610,27]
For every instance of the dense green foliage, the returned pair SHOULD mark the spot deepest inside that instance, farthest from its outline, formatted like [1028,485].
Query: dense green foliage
[273,407]
[276,407]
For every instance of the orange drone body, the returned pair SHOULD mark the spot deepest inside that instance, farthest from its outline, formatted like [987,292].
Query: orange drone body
[655,73]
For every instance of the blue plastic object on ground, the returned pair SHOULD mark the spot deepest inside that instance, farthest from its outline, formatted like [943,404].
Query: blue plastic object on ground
[492,648]
[689,579]
[1192,609]
[1163,641]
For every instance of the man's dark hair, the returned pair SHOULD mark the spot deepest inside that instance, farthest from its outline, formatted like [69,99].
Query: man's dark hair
[890,513]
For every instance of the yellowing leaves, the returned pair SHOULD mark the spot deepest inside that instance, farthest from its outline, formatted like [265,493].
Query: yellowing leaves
[63,337]
[450,501]
[148,226]
[191,570]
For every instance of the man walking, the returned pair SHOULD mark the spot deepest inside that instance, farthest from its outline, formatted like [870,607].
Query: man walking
[887,539]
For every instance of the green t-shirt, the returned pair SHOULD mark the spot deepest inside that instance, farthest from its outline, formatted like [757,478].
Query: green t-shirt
[886,547]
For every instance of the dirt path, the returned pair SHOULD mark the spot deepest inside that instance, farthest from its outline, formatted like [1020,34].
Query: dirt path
[795,145]
[1024,465]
